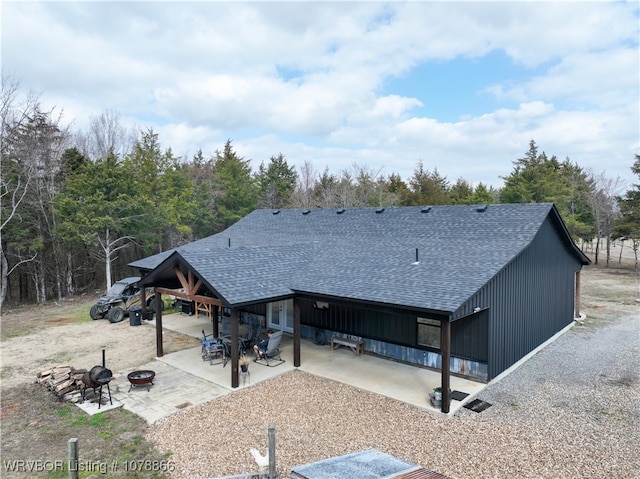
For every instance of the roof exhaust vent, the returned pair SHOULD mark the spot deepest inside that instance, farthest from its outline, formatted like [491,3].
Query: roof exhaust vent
[417,261]
[276,212]
[306,212]
[426,209]
[482,209]
[380,210]
[340,211]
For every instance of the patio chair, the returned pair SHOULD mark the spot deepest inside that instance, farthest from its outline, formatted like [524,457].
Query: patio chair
[211,350]
[252,335]
[271,357]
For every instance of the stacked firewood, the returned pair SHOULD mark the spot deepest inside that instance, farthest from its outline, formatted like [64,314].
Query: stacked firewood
[66,383]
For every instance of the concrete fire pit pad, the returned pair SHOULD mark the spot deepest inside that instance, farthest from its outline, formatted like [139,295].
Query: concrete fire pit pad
[91,408]
[173,390]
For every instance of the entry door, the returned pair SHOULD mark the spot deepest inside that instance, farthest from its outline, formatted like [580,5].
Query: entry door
[280,315]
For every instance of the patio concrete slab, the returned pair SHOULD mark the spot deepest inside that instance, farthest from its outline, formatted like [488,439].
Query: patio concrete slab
[173,389]
[403,382]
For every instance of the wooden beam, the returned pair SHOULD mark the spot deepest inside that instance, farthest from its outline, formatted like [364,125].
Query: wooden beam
[191,282]
[196,287]
[206,300]
[182,279]
[191,297]
[296,332]
[445,350]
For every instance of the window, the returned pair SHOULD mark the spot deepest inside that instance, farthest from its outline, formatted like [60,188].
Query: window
[429,332]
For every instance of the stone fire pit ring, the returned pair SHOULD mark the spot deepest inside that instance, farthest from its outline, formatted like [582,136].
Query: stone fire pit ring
[141,378]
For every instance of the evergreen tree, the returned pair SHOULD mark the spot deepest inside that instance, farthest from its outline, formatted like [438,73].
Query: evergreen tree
[235,189]
[398,190]
[200,172]
[99,209]
[539,179]
[461,193]
[276,183]
[166,192]
[428,188]
[536,179]
[483,195]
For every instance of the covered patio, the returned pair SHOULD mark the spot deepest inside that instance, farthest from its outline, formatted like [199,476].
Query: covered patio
[392,379]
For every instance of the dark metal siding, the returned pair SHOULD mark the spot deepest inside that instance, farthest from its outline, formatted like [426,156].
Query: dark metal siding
[524,305]
[397,327]
[470,337]
[530,300]
[385,324]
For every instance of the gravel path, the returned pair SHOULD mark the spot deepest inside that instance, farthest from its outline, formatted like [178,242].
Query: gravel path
[569,412]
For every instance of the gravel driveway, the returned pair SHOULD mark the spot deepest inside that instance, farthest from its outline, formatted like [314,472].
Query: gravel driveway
[571,411]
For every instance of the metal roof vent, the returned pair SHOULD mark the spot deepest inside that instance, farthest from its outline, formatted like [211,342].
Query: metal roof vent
[340,211]
[276,212]
[380,210]
[306,212]
[482,209]
[425,209]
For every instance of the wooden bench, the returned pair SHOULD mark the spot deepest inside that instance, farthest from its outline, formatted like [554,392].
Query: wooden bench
[354,343]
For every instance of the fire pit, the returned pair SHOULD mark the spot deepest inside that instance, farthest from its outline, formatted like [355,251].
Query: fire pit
[141,378]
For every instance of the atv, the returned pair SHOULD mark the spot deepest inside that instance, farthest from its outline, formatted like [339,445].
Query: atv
[121,297]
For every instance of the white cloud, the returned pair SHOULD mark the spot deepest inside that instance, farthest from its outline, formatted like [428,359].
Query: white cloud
[304,78]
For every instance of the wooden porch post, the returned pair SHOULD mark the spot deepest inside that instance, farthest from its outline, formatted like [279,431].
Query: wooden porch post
[143,301]
[576,302]
[159,346]
[235,337]
[214,319]
[445,349]
[296,332]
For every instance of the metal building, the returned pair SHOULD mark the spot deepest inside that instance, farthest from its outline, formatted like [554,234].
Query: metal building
[467,289]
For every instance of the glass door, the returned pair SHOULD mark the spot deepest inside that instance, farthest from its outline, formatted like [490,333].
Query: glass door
[280,315]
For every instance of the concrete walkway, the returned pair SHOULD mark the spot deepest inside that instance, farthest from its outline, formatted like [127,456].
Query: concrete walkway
[184,380]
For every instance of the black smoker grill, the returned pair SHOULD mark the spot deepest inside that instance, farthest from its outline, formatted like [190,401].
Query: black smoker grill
[96,378]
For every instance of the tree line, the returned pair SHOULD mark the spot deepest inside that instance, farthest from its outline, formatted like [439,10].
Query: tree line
[77,206]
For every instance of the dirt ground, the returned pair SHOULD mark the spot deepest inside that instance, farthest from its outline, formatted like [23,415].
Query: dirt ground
[34,338]
[56,338]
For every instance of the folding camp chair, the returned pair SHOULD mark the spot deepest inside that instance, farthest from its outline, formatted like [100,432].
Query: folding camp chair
[211,350]
[272,354]
[252,335]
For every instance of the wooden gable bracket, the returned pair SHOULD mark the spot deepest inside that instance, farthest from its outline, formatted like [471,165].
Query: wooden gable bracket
[190,286]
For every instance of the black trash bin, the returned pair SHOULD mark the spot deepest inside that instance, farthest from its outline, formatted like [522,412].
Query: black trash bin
[135,316]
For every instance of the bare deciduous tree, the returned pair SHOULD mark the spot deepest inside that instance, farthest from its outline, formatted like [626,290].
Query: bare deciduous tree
[603,200]
[104,135]
[14,179]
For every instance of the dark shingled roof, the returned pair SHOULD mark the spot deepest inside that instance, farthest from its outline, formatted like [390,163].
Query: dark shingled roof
[366,254]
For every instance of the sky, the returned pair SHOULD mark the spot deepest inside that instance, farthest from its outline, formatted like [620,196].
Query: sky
[462,87]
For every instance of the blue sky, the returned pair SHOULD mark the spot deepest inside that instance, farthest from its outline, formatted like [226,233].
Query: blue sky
[461,86]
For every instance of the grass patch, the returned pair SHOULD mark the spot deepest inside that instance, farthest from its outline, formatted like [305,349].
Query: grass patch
[30,319]
[60,358]
[40,427]
[5,372]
